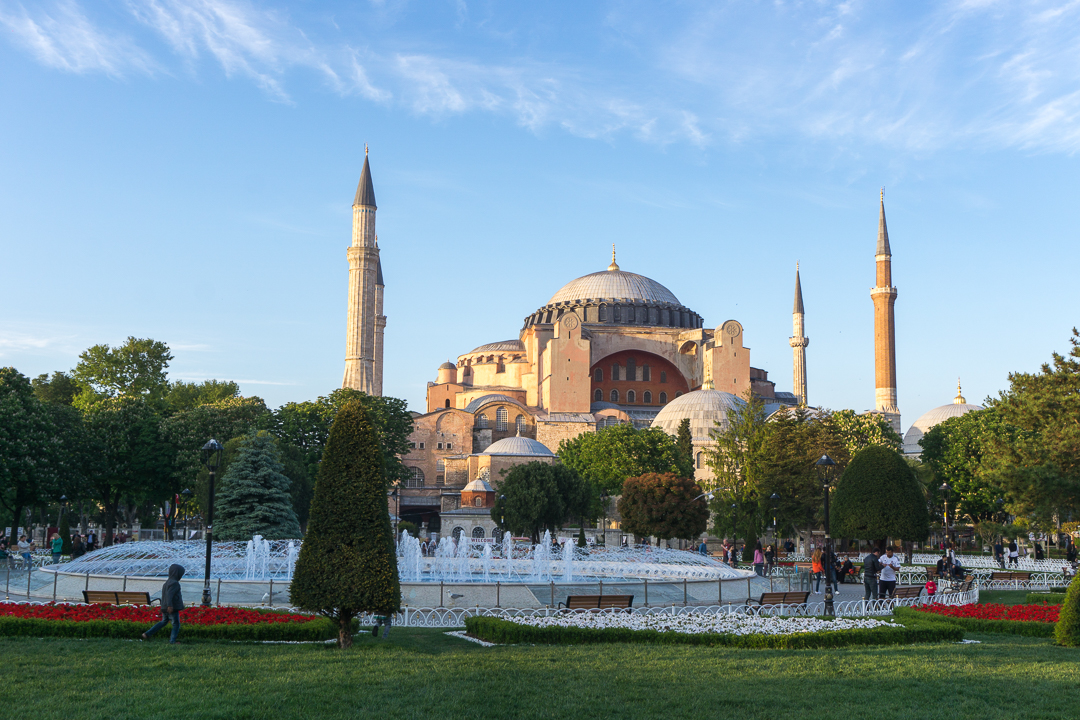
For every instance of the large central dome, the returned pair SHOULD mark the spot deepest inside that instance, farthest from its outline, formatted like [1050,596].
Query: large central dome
[610,284]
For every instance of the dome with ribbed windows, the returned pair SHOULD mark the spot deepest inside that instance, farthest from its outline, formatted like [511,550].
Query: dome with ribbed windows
[704,408]
[518,446]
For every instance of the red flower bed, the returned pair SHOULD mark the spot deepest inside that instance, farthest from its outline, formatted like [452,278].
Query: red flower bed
[143,614]
[996,611]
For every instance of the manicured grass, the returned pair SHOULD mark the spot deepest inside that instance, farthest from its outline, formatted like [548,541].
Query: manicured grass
[425,674]
[1005,597]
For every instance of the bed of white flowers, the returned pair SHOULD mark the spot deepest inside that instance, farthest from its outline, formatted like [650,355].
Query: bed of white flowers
[702,623]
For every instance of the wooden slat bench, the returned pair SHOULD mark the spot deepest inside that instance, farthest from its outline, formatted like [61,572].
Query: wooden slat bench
[780,598]
[596,602]
[1011,576]
[907,591]
[108,597]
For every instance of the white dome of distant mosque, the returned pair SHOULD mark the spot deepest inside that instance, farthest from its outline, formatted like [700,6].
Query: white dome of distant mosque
[520,446]
[704,407]
[959,406]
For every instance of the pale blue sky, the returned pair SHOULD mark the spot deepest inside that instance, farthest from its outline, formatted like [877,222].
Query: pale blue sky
[184,171]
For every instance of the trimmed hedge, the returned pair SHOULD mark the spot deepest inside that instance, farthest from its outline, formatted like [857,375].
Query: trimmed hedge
[317,629]
[1067,632]
[1050,598]
[506,632]
[990,627]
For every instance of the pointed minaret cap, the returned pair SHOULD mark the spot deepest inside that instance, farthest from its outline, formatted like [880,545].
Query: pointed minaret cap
[614,265]
[365,191]
[883,231]
[959,399]
[798,292]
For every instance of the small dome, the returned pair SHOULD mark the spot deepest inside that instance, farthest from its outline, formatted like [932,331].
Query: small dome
[448,366]
[704,408]
[614,284]
[518,446]
[959,406]
[477,485]
[501,346]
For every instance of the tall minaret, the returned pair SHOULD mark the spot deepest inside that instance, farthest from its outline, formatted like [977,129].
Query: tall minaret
[799,341]
[362,364]
[380,323]
[884,297]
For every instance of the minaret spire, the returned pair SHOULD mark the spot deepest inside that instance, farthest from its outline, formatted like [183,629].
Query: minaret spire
[884,297]
[363,335]
[798,342]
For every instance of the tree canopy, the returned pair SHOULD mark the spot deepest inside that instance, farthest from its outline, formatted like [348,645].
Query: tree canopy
[253,498]
[955,451]
[878,497]
[537,496]
[609,456]
[664,506]
[135,369]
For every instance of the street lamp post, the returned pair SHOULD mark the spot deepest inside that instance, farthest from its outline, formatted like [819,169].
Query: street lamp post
[826,466]
[211,452]
[187,499]
[945,496]
[502,513]
[60,513]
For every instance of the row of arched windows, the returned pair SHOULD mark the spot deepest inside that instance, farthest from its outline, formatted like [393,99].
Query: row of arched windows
[477,533]
[631,396]
[520,423]
[628,373]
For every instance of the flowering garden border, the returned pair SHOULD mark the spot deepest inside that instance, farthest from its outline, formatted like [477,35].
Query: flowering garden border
[986,624]
[128,621]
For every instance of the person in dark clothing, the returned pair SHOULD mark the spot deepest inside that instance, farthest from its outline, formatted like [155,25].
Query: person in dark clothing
[871,567]
[999,554]
[172,602]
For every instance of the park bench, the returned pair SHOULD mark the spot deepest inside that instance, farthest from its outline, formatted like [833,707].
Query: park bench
[781,598]
[907,591]
[1011,576]
[596,602]
[108,597]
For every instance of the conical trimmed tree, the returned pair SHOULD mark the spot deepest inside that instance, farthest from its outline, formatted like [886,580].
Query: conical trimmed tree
[347,564]
[1067,631]
[254,495]
[879,497]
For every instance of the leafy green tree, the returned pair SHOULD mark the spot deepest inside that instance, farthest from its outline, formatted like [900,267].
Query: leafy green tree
[954,450]
[348,563]
[685,441]
[30,450]
[182,396]
[135,462]
[878,497]
[609,456]
[538,496]
[737,459]
[1039,464]
[860,431]
[306,426]
[135,369]
[253,498]
[1067,629]
[664,506]
[61,389]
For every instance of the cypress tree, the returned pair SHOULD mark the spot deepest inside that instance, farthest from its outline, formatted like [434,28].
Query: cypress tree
[1067,630]
[684,441]
[254,495]
[347,564]
[65,533]
[879,497]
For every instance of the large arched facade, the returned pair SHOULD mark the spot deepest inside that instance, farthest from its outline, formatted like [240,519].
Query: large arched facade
[636,378]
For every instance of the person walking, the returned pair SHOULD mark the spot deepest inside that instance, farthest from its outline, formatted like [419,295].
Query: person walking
[759,560]
[889,566]
[871,567]
[77,547]
[828,562]
[999,554]
[816,568]
[172,602]
[1014,553]
[57,547]
[770,559]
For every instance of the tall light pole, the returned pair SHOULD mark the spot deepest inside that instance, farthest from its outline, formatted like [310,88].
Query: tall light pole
[186,494]
[211,452]
[826,466]
[945,498]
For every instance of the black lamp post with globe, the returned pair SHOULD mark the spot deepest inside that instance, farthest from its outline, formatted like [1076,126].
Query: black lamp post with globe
[826,467]
[211,453]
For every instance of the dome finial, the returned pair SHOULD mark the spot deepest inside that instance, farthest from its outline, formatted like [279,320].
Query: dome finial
[614,265]
[959,399]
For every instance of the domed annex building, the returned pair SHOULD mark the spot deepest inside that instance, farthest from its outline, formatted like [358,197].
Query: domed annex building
[610,347]
[959,406]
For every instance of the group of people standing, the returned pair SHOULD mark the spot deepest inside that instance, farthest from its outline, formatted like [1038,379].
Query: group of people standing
[879,573]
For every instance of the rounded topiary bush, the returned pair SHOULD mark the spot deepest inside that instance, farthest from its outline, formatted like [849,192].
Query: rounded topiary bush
[1067,631]
[879,497]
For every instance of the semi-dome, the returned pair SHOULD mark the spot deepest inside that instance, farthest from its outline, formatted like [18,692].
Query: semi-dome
[959,406]
[704,408]
[483,400]
[518,446]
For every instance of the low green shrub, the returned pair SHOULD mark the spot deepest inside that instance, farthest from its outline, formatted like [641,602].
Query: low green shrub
[1067,631]
[506,632]
[318,629]
[990,627]
[1050,598]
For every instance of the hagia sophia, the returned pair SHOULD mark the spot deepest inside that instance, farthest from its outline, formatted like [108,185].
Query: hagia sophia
[607,348]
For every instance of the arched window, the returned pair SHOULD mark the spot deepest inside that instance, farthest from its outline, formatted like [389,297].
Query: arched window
[598,375]
[520,423]
[647,397]
[614,395]
[458,532]
[645,373]
[663,376]
[618,314]
[447,402]
[614,372]
[416,478]
[603,313]
[701,459]
[598,396]
[478,532]
[500,418]
[479,502]
[482,421]
[663,398]
[630,396]
[440,465]
[631,369]
[678,393]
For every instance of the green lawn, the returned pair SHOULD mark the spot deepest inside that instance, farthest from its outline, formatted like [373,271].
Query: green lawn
[425,674]
[1006,597]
